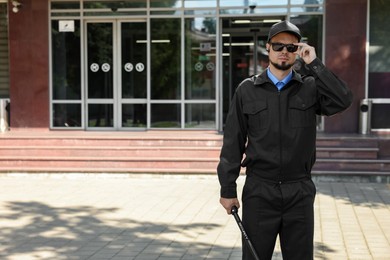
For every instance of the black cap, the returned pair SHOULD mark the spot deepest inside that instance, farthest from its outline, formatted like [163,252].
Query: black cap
[284,26]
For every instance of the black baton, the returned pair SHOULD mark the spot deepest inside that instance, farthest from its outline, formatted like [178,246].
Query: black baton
[244,234]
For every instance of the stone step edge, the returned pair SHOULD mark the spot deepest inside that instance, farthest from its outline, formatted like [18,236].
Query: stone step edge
[146,147]
[163,159]
[104,158]
[49,170]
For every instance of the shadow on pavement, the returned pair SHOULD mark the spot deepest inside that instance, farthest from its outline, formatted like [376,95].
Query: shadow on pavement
[372,195]
[83,231]
[320,251]
[87,232]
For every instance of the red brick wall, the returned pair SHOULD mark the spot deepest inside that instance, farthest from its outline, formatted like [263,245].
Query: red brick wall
[29,65]
[345,40]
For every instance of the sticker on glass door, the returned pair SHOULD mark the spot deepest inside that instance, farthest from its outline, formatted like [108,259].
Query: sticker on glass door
[94,67]
[129,67]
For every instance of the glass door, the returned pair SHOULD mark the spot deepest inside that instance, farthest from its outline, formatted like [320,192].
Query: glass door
[100,75]
[116,75]
[133,70]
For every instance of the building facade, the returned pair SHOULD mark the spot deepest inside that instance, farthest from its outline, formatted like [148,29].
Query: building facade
[174,64]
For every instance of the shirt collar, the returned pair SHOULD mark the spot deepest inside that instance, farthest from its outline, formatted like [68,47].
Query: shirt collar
[263,78]
[275,80]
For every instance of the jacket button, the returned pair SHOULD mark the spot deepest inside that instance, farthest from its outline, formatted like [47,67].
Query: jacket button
[303,105]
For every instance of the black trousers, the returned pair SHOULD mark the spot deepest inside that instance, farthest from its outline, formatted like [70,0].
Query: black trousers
[286,209]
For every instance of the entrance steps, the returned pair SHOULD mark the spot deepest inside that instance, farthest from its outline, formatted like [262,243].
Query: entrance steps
[353,155]
[185,152]
[130,152]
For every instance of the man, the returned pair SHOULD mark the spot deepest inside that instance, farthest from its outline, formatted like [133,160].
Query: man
[272,120]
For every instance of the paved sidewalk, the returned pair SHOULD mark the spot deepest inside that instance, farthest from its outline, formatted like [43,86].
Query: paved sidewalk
[82,216]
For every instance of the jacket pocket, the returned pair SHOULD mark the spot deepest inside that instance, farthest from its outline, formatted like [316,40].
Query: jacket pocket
[257,114]
[302,112]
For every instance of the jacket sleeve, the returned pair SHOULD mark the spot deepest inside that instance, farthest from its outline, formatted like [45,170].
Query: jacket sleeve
[234,141]
[333,94]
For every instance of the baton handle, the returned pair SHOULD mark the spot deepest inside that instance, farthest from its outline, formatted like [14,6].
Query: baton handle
[244,234]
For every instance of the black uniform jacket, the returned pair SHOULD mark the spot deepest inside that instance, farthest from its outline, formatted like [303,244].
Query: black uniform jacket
[275,131]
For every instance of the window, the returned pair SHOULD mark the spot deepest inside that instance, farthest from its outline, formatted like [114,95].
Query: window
[379,64]
[166,56]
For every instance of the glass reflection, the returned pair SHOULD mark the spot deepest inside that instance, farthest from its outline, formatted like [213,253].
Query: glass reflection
[200,116]
[306,2]
[65,5]
[232,3]
[66,62]
[165,54]
[133,59]
[100,115]
[165,115]
[379,51]
[100,55]
[200,58]
[200,3]
[165,3]
[114,5]
[66,115]
[134,115]
[380,116]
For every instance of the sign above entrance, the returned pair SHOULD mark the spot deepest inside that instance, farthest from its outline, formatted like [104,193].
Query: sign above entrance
[66,26]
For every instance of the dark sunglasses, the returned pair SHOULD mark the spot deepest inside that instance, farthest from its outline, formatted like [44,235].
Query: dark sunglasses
[277,46]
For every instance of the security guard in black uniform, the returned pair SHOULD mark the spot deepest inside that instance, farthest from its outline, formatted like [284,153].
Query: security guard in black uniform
[272,121]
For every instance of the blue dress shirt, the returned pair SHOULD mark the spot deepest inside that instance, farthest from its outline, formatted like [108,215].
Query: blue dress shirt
[279,84]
